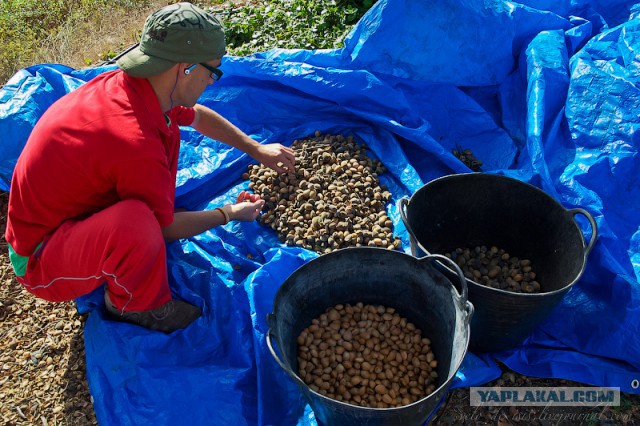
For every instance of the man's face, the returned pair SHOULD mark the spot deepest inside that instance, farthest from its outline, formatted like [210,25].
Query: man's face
[198,78]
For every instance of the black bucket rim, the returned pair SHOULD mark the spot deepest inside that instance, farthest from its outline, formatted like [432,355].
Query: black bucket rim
[467,309]
[463,293]
[404,201]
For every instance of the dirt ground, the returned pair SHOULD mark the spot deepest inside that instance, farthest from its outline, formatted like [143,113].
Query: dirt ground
[42,364]
[43,381]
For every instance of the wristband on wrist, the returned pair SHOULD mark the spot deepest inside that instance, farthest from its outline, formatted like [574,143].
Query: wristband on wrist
[224,214]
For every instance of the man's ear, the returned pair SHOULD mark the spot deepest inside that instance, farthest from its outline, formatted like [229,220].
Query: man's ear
[187,68]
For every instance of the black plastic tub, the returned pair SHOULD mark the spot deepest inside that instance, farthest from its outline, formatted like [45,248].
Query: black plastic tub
[414,287]
[474,209]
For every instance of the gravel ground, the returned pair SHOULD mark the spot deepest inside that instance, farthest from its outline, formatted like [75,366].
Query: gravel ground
[42,376]
[43,382]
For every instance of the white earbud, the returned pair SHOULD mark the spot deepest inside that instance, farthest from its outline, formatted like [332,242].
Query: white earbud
[188,70]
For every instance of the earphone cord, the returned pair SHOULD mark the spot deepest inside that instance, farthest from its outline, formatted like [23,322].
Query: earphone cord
[172,90]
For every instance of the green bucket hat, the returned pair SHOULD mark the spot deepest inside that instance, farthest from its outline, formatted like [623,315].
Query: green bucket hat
[176,33]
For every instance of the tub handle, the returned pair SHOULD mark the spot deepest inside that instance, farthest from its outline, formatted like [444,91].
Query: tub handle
[464,295]
[270,318]
[416,247]
[594,227]
[402,208]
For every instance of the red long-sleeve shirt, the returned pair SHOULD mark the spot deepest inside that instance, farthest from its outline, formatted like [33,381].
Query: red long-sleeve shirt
[104,142]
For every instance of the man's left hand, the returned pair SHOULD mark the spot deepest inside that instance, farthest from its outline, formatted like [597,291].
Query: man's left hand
[246,208]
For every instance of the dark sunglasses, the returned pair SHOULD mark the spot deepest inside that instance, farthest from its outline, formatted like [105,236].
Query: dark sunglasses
[216,74]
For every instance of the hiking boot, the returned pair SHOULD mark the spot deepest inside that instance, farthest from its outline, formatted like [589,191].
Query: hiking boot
[167,318]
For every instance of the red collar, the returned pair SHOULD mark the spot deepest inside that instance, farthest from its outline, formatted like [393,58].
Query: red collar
[145,100]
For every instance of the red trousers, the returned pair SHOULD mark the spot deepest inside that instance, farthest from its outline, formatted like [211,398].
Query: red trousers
[122,245]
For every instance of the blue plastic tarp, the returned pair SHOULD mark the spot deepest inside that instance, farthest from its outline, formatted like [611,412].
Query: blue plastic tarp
[543,91]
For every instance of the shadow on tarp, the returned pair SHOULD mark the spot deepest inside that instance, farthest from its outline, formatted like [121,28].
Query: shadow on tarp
[542,91]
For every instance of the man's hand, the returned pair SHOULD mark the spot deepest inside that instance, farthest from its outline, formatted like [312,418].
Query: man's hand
[246,208]
[276,156]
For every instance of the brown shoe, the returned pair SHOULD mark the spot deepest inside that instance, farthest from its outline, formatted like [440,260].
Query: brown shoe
[171,316]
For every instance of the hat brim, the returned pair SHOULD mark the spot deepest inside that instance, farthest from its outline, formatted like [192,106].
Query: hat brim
[138,64]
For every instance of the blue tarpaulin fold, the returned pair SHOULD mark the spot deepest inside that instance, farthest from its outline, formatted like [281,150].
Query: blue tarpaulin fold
[543,91]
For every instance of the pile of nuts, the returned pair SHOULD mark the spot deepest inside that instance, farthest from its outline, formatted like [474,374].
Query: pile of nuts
[496,268]
[368,356]
[334,200]
[467,157]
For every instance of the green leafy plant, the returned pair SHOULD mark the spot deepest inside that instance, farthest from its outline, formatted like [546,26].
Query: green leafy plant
[110,54]
[290,24]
